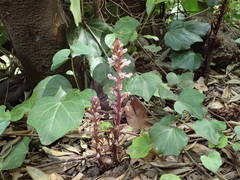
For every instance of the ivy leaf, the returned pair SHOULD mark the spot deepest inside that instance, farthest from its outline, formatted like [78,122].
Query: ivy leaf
[209,129]
[236,146]
[212,161]
[179,38]
[150,4]
[144,85]
[140,147]
[60,58]
[197,27]
[80,49]
[153,48]
[109,39]
[125,29]
[161,135]
[183,81]
[75,8]
[17,155]
[164,92]
[18,111]
[53,117]
[3,126]
[237,131]
[213,2]
[187,60]
[169,177]
[80,36]
[193,5]
[223,142]
[190,100]
[167,120]
[4,115]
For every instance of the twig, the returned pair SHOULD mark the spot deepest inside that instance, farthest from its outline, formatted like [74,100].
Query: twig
[198,166]
[215,26]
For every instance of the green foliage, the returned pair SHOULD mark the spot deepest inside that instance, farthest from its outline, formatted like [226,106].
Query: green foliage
[183,81]
[140,147]
[237,131]
[3,126]
[125,29]
[60,58]
[16,156]
[193,6]
[161,134]
[53,117]
[5,117]
[169,177]
[187,60]
[211,130]
[75,8]
[105,126]
[236,146]
[150,4]
[223,142]
[81,49]
[144,85]
[190,100]
[212,161]
[153,48]
[179,38]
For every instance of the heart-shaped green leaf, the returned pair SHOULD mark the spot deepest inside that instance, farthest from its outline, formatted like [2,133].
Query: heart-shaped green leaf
[187,60]
[4,115]
[60,58]
[212,161]
[140,147]
[161,135]
[125,29]
[190,100]
[211,130]
[53,117]
[179,38]
[16,156]
[144,85]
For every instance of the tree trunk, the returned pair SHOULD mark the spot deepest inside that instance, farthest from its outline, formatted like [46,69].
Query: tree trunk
[36,30]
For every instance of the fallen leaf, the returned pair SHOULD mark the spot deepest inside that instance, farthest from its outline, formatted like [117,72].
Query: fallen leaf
[136,114]
[215,105]
[200,85]
[226,93]
[55,176]
[36,174]
[55,152]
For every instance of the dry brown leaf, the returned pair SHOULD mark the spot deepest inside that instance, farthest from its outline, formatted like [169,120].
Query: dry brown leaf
[215,105]
[136,114]
[55,176]
[200,85]
[226,93]
[55,152]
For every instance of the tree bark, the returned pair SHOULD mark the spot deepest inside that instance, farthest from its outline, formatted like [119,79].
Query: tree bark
[36,30]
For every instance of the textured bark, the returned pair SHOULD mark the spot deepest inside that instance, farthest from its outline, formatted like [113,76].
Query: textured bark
[36,29]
